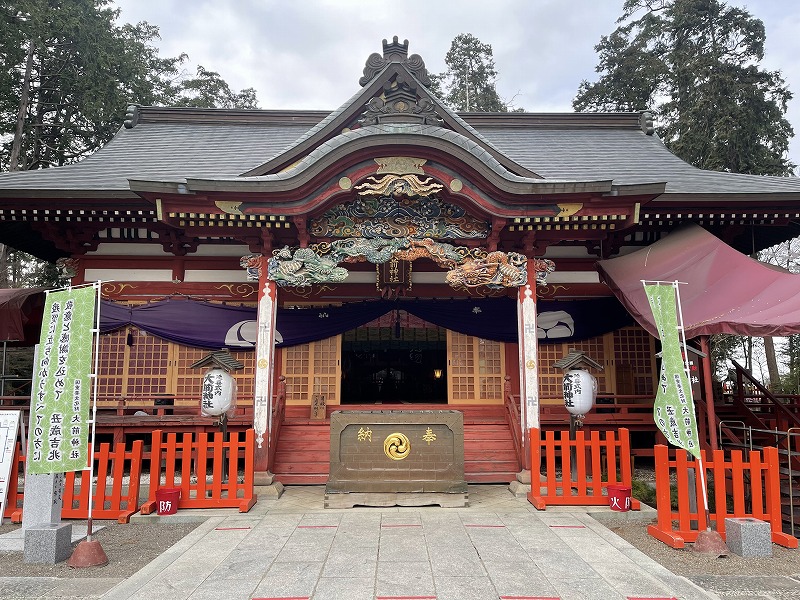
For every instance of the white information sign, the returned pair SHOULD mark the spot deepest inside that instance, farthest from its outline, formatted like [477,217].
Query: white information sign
[9,424]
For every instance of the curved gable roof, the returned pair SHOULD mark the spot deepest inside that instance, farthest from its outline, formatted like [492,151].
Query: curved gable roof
[332,125]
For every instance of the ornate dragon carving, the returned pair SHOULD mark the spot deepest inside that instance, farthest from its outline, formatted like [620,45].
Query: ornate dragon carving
[496,270]
[67,267]
[252,263]
[319,263]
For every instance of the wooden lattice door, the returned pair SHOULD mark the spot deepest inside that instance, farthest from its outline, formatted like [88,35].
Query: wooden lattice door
[476,368]
[149,360]
[551,379]
[634,350]
[112,366]
[313,368]
[133,363]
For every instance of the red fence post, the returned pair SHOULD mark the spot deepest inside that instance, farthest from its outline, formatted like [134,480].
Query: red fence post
[724,475]
[14,497]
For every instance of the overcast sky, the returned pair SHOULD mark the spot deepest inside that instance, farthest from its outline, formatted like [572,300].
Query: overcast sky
[309,54]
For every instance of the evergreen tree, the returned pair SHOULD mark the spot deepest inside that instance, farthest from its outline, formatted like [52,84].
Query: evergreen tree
[67,72]
[208,90]
[696,64]
[468,84]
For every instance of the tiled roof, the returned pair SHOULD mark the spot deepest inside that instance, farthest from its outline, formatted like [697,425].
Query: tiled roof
[163,151]
[626,156]
[176,144]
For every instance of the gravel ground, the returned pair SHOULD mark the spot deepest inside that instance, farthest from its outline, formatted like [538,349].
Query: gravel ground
[687,562]
[128,548]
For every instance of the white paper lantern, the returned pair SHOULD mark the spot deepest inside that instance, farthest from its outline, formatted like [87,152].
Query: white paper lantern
[218,394]
[580,391]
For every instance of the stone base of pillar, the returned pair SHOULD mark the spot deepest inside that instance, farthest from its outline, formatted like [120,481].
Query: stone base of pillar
[263,478]
[524,476]
[520,490]
[270,492]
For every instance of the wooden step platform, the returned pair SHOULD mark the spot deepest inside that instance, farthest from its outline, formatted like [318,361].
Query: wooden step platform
[303,450]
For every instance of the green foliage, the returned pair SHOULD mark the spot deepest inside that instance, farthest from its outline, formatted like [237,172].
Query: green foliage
[21,270]
[86,69]
[645,492]
[790,355]
[695,63]
[469,82]
[19,371]
[208,90]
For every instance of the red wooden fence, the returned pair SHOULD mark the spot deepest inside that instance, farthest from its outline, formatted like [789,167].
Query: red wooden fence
[14,497]
[733,481]
[111,501]
[600,461]
[197,456]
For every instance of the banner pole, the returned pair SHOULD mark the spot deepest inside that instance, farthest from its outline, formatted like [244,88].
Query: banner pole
[702,470]
[93,421]
[682,331]
[90,553]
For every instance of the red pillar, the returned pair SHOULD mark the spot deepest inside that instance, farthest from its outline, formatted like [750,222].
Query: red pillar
[265,364]
[711,421]
[528,361]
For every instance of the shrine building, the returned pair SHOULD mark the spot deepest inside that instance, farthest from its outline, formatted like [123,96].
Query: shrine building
[391,253]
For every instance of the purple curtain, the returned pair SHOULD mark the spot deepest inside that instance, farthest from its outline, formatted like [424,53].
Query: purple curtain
[215,326]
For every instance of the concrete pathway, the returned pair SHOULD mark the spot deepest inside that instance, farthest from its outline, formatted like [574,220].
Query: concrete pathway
[500,548]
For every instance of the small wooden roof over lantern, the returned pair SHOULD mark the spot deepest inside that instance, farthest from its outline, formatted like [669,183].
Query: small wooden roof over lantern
[577,360]
[220,358]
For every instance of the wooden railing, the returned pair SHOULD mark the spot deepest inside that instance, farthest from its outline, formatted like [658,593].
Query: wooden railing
[514,424]
[152,404]
[752,398]
[628,410]
[14,496]
[278,412]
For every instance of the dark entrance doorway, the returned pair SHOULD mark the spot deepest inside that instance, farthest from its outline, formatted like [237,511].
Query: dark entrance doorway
[397,358]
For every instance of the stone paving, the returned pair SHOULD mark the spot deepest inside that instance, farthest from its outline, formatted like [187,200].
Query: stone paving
[500,548]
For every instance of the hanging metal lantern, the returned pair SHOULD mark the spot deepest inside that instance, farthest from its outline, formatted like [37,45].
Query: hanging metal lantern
[218,393]
[580,391]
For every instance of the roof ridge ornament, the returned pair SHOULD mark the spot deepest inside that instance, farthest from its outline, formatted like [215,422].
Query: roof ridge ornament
[646,122]
[395,52]
[131,116]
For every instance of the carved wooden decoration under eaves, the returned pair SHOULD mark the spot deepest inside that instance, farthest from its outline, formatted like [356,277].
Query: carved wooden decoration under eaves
[467,268]
[390,217]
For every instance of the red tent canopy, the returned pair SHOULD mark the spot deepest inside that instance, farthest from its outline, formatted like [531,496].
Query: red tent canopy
[724,292]
[21,315]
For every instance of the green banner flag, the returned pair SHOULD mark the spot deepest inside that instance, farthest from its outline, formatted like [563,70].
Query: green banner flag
[59,428]
[673,410]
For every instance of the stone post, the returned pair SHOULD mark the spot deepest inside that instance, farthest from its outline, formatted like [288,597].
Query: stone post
[47,540]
